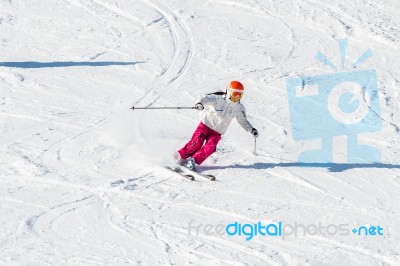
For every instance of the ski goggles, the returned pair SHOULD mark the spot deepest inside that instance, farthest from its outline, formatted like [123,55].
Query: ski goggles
[236,93]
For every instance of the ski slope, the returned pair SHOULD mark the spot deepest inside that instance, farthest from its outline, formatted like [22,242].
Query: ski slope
[81,175]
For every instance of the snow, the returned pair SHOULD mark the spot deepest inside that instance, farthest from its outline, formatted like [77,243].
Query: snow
[81,176]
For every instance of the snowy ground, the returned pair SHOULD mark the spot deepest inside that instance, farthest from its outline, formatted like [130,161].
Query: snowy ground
[81,177]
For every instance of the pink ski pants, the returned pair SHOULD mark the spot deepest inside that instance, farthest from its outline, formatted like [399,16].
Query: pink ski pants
[195,148]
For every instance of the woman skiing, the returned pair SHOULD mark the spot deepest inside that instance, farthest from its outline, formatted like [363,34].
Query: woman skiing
[219,110]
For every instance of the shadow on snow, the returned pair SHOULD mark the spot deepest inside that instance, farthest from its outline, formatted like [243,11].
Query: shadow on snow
[33,64]
[332,167]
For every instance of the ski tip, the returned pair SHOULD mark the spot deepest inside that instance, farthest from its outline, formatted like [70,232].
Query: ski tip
[211,177]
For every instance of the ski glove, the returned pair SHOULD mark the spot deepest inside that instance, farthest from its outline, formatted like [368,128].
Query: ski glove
[199,106]
[254,132]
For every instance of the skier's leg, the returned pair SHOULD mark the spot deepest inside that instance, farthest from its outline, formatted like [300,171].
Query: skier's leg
[209,148]
[195,143]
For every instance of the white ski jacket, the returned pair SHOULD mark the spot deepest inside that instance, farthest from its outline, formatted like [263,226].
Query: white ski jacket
[218,113]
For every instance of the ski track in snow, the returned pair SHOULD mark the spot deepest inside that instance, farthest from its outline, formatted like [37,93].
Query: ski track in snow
[72,195]
[180,59]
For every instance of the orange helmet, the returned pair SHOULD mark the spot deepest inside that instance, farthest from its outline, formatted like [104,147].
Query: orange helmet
[235,90]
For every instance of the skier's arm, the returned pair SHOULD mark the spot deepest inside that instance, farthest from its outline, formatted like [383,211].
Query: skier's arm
[209,100]
[242,120]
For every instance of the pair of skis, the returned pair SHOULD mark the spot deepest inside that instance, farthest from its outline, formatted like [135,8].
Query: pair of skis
[189,174]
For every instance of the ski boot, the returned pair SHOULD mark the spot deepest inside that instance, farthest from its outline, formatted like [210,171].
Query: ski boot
[191,164]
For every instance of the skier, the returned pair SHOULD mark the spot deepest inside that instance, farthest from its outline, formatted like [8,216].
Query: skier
[219,110]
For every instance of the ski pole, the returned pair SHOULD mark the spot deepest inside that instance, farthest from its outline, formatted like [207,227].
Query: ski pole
[160,108]
[255,145]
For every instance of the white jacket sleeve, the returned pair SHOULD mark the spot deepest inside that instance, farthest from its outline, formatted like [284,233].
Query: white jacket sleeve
[242,120]
[209,100]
